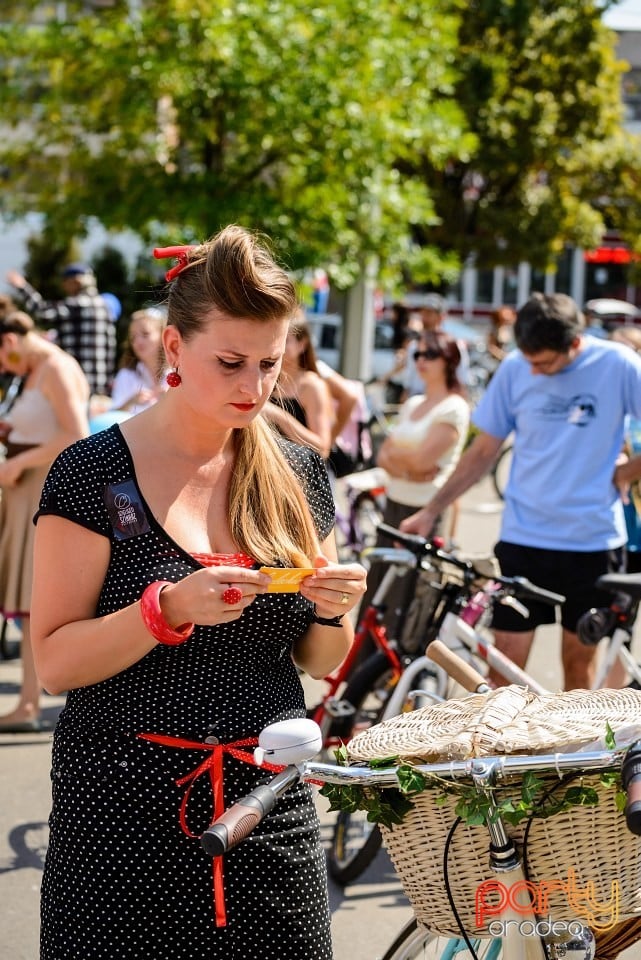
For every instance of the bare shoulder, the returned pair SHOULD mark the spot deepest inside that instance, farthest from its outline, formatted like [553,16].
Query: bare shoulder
[313,383]
[61,369]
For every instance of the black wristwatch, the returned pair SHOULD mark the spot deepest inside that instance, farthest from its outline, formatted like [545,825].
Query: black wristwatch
[328,621]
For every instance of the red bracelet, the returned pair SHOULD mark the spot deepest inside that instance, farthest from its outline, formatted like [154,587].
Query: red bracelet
[155,621]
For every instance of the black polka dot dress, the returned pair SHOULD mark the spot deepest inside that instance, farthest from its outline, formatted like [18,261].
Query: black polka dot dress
[123,877]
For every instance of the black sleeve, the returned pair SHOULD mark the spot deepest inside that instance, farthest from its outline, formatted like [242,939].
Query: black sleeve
[74,488]
[310,467]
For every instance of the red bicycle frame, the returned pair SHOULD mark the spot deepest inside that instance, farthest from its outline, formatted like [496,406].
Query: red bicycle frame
[332,707]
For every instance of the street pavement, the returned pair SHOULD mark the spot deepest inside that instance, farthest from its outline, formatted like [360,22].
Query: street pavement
[366,915]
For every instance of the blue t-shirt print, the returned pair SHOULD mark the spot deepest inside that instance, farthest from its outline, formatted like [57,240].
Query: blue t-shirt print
[579,410]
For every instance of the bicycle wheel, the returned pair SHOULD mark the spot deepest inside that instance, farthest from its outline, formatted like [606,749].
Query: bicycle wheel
[414,942]
[365,517]
[501,472]
[355,843]
[356,840]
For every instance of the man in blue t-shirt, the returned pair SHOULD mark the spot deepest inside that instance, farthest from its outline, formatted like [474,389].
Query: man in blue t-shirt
[564,396]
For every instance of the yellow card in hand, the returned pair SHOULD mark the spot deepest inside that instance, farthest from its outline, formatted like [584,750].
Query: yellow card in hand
[286,579]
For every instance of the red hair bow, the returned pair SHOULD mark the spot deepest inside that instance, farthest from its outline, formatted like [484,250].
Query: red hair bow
[182,253]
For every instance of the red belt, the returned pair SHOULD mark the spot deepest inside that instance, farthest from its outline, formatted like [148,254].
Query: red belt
[214,765]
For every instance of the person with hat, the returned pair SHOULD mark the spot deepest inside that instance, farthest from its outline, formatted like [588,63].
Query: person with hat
[82,322]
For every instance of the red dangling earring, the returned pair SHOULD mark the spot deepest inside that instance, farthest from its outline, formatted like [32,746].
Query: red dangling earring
[173,378]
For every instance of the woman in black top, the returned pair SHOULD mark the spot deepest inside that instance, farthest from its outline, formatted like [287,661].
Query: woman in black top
[150,609]
[302,393]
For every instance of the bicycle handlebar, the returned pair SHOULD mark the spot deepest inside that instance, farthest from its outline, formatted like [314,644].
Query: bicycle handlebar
[524,588]
[517,586]
[419,546]
[457,668]
[238,821]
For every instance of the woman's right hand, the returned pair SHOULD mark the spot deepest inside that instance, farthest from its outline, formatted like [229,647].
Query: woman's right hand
[200,597]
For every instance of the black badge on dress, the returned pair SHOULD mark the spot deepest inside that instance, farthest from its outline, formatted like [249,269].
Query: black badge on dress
[125,509]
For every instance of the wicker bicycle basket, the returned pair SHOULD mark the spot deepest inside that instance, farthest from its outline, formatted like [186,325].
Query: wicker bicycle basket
[584,851]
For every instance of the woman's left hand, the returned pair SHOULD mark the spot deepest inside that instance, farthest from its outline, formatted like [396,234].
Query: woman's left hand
[334,588]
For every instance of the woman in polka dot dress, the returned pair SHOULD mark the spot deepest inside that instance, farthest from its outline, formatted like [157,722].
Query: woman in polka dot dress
[150,609]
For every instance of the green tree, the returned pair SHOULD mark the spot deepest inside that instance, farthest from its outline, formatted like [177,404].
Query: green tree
[46,254]
[182,115]
[540,88]
[415,132]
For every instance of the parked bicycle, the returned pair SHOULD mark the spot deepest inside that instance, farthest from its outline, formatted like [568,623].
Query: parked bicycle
[356,693]
[467,595]
[464,610]
[359,511]
[459,619]
[455,609]
[613,627]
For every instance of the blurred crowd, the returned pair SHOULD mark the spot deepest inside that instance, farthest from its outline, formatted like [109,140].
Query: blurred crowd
[64,377]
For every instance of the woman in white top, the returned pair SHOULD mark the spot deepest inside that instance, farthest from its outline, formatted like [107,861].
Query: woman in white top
[140,381]
[424,445]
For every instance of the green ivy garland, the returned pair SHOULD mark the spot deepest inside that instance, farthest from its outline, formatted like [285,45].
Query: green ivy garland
[389,805]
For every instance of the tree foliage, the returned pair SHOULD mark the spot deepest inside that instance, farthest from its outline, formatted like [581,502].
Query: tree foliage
[277,114]
[540,87]
[416,131]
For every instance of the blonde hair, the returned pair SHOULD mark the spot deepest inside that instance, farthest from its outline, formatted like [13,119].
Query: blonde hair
[129,359]
[235,272]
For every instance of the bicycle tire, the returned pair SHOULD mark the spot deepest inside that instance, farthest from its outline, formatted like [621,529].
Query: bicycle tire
[346,867]
[356,840]
[366,515]
[501,472]
[415,942]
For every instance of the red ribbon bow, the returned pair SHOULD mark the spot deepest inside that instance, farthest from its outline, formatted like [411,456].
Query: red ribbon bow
[213,764]
[182,253]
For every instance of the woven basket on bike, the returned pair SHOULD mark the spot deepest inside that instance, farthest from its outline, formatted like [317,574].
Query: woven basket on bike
[593,841]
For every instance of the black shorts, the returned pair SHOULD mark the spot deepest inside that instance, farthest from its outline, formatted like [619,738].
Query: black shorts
[572,573]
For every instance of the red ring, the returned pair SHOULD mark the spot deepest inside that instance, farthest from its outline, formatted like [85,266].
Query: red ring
[232,596]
